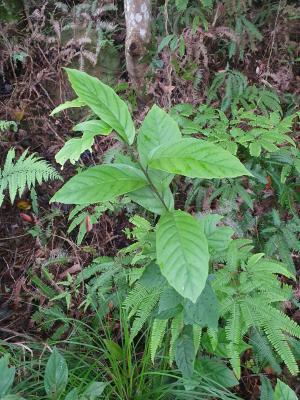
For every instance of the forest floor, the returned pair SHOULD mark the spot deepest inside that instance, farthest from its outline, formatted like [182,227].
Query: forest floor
[34,84]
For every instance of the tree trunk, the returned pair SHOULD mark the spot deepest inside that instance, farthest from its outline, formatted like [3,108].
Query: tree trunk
[138,37]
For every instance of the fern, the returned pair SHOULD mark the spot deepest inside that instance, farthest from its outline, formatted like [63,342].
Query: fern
[142,302]
[197,334]
[6,125]
[263,351]
[176,328]
[250,294]
[158,331]
[82,218]
[27,171]
[105,282]
[281,238]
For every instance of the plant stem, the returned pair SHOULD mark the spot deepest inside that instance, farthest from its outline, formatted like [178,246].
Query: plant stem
[145,172]
[153,186]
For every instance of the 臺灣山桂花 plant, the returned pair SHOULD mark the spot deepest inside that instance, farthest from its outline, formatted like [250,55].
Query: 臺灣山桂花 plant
[175,285]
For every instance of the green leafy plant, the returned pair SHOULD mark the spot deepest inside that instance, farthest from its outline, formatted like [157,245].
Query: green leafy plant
[281,391]
[249,294]
[237,93]
[84,218]
[7,379]
[27,171]
[149,177]
[6,125]
[172,288]
[281,237]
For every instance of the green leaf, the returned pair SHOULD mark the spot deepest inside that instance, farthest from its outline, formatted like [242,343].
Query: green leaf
[185,352]
[196,158]
[182,253]
[218,238]
[94,390]
[94,126]
[165,41]
[76,103]
[152,277]
[104,102]
[205,312]
[72,395]
[283,392]
[217,371]
[255,149]
[56,374]
[100,183]
[73,148]
[158,128]
[266,390]
[169,303]
[148,199]
[7,375]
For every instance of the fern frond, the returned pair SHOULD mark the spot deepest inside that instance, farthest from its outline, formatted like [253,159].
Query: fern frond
[197,333]
[26,171]
[144,311]
[176,328]
[135,297]
[263,351]
[157,334]
[97,267]
[233,335]
[6,125]
[279,342]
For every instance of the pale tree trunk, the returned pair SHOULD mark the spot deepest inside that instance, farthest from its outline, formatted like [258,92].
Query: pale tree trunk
[138,37]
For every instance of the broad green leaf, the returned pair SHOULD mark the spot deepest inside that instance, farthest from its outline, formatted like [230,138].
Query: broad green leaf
[205,312]
[68,104]
[73,148]
[148,199]
[196,158]
[182,253]
[216,370]
[56,375]
[283,392]
[255,149]
[158,128]
[7,376]
[100,183]
[185,352]
[104,102]
[169,303]
[94,390]
[152,277]
[94,126]
[218,238]
[72,395]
